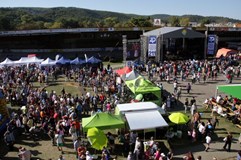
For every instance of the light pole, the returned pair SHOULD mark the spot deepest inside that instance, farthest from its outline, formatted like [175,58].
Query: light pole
[205,43]
[124,41]
[162,41]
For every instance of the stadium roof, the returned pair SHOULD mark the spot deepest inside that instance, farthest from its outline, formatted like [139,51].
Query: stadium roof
[175,32]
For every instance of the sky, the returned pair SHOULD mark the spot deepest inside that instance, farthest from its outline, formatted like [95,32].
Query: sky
[224,8]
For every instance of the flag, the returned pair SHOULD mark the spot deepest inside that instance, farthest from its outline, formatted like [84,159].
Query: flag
[157,22]
[86,58]
[57,57]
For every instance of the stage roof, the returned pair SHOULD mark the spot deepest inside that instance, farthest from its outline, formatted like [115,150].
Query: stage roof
[175,32]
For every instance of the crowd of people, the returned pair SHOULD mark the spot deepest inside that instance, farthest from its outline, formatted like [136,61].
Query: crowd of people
[59,115]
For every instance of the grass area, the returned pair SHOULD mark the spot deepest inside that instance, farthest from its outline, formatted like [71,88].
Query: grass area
[114,65]
[69,87]
[224,126]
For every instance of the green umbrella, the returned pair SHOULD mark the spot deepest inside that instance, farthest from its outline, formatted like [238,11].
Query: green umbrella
[139,97]
[178,118]
[97,138]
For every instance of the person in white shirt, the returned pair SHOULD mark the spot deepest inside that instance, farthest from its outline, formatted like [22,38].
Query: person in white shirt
[24,154]
[88,156]
[219,97]
[175,87]
[137,144]
[164,106]
[208,141]
[201,127]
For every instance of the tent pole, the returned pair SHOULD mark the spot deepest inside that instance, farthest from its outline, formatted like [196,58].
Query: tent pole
[155,133]
[144,135]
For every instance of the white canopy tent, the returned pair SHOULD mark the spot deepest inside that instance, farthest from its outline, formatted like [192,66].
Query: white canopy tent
[142,120]
[28,60]
[48,62]
[139,106]
[7,62]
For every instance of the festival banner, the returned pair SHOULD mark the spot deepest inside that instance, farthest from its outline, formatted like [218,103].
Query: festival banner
[211,44]
[152,44]
[157,22]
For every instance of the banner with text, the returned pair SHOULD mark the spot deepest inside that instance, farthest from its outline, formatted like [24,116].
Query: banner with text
[152,44]
[211,44]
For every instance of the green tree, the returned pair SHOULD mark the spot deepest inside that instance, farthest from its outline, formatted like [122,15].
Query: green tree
[204,21]
[139,22]
[26,19]
[174,21]
[57,25]
[184,21]
[5,23]
[48,25]
[110,21]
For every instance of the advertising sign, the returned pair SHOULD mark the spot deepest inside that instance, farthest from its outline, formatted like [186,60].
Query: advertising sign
[152,44]
[211,44]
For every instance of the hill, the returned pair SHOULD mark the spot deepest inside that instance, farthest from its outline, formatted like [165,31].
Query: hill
[60,17]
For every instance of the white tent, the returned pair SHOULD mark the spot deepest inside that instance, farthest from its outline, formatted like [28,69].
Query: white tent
[142,120]
[28,60]
[22,60]
[35,60]
[48,62]
[139,106]
[7,62]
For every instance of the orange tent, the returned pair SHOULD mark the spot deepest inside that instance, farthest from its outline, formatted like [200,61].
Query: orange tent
[124,70]
[225,52]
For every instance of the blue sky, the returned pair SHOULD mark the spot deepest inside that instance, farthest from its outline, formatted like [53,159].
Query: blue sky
[224,8]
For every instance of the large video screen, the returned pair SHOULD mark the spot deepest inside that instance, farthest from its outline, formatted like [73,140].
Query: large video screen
[133,50]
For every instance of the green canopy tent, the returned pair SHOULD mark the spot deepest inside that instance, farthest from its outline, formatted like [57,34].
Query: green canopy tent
[233,90]
[103,121]
[149,90]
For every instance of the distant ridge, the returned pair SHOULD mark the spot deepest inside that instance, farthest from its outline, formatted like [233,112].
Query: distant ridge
[24,18]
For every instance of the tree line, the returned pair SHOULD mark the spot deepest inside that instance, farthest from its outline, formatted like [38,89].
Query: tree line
[50,18]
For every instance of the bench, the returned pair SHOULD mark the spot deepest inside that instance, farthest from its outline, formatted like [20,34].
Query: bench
[223,108]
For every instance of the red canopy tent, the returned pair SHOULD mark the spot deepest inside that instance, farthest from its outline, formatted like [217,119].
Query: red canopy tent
[225,52]
[124,70]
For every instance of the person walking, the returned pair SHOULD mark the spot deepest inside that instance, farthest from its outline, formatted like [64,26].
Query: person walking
[59,141]
[188,87]
[228,141]
[208,141]
[186,103]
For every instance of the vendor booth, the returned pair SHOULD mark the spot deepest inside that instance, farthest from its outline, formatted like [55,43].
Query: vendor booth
[140,106]
[142,120]
[93,60]
[130,76]
[48,62]
[7,62]
[123,71]
[102,121]
[225,52]
[149,90]
[233,90]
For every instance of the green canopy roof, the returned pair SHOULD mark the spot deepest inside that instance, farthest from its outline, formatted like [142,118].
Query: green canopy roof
[141,85]
[234,90]
[103,121]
